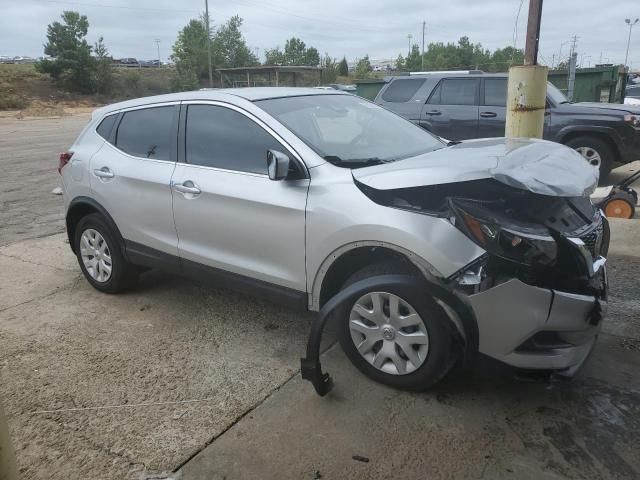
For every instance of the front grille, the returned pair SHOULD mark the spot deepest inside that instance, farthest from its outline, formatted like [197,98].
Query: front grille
[593,239]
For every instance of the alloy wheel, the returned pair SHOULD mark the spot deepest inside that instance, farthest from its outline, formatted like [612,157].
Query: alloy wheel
[389,333]
[590,155]
[96,255]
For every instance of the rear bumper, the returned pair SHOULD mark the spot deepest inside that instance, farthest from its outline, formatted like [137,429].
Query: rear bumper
[536,328]
[630,148]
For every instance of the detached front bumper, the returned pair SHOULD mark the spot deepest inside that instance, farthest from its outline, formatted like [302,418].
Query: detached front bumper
[538,328]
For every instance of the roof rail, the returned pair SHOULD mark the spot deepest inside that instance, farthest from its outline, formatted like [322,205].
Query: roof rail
[455,72]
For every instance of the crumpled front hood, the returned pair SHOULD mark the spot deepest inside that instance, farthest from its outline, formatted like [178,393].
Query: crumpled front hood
[539,166]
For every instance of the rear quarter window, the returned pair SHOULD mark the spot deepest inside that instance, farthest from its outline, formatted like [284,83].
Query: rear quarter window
[400,91]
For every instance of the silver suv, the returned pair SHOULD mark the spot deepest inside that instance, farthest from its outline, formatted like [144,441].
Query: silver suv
[294,194]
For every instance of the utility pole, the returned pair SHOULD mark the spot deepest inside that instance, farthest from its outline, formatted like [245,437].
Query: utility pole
[8,470]
[206,13]
[157,42]
[527,87]
[424,26]
[631,24]
[573,61]
[409,37]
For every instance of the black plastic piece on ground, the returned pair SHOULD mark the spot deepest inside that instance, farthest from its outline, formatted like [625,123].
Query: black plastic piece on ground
[310,366]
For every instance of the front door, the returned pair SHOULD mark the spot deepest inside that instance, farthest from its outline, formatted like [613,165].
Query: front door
[228,214]
[452,109]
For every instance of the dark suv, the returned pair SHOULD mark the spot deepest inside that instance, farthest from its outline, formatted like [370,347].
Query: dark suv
[460,106]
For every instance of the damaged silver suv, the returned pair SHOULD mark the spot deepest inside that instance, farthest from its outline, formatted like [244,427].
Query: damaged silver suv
[295,194]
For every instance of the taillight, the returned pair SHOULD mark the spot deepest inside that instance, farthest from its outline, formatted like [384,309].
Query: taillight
[63,160]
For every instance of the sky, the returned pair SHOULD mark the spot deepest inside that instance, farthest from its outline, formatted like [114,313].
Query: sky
[352,28]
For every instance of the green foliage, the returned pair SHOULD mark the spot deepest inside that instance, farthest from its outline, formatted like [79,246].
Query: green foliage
[363,67]
[229,48]
[329,69]
[103,71]
[461,56]
[71,60]
[190,55]
[400,62]
[12,101]
[343,67]
[295,53]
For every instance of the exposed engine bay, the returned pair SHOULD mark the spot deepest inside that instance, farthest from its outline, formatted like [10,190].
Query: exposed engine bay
[547,241]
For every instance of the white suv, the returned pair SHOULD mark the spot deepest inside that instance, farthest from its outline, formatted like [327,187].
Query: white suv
[295,194]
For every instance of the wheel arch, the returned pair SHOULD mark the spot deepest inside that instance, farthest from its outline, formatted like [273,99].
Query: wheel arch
[601,134]
[81,207]
[346,260]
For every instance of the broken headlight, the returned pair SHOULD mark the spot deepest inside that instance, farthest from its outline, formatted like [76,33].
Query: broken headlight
[505,238]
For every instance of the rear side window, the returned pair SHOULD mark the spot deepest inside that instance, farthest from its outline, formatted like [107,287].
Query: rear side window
[455,91]
[104,129]
[400,91]
[148,133]
[495,92]
[224,138]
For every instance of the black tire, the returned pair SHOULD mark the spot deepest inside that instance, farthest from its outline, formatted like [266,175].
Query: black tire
[440,357]
[602,147]
[123,274]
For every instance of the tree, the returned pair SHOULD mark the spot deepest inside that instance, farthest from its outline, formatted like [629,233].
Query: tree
[363,67]
[103,71]
[329,69]
[229,48]
[190,55]
[413,62]
[71,59]
[400,62]
[295,53]
[343,67]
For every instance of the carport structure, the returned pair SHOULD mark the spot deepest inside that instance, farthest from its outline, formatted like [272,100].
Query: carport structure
[270,76]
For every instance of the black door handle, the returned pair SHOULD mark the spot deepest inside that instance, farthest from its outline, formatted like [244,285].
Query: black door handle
[488,114]
[433,112]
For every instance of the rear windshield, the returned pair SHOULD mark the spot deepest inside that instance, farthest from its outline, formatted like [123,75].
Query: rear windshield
[349,131]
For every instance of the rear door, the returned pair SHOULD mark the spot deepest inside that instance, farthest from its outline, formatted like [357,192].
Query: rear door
[493,107]
[228,214]
[452,109]
[405,97]
[131,175]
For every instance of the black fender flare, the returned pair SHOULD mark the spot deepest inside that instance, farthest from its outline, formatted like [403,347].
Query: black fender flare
[82,200]
[310,367]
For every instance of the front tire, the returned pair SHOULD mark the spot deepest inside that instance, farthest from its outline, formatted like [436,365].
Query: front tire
[396,337]
[595,151]
[100,257]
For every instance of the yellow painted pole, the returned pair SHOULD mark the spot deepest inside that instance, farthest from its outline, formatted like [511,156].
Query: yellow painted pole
[526,99]
[8,469]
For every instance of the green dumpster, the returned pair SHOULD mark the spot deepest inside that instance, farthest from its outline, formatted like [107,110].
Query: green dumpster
[369,88]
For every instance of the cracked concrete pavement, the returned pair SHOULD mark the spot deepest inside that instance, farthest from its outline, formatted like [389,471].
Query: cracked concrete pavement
[177,376]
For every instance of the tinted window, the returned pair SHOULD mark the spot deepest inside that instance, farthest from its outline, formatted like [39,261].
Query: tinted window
[223,138]
[495,92]
[148,133]
[455,91]
[402,90]
[104,129]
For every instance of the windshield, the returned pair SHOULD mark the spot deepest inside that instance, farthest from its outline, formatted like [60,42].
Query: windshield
[556,95]
[349,131]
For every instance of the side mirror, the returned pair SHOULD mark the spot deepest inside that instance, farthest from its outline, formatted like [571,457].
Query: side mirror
[277,165]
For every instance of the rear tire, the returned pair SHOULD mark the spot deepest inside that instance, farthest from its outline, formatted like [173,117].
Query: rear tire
[429,364]
[100,257]
[595,151]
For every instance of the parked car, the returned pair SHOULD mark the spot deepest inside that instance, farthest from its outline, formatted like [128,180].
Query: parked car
[296,193]
[460,106]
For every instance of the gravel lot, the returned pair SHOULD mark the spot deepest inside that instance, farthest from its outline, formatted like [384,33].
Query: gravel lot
[129,386]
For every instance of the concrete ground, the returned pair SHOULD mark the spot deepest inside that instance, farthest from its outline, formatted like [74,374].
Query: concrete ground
[173,376]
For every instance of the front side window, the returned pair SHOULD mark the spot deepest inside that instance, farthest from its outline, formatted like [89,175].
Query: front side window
[148,132]
[495,92]
[224,138]
[349,131]
[455,91]
[402,90]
